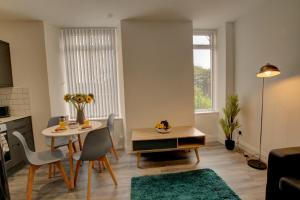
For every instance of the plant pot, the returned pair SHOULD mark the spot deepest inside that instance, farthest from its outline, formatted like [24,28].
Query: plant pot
[80,116]
[229,144]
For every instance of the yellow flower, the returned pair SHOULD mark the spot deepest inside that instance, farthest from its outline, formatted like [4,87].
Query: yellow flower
[67,97]
[91,95]
[80,99]
[89,99]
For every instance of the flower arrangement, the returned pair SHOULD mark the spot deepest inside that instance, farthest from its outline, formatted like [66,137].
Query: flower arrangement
[163,127]
[79,101]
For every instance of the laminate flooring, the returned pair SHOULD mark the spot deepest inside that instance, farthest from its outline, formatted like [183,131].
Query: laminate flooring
[232,166]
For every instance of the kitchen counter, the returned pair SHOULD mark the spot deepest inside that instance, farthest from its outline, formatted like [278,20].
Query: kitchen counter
[12,118]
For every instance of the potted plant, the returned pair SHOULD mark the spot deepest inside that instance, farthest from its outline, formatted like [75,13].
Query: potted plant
[229,122]
[79,101]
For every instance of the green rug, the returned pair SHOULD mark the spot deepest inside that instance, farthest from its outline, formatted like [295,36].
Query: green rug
[193,185]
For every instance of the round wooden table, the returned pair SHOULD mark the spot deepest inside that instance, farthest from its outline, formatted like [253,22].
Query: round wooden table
[69,133]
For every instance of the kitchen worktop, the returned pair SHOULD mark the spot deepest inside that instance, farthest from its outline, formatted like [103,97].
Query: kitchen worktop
[12,118]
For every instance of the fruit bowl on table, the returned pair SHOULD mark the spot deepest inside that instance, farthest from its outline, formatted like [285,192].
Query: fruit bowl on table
[163,127]
[163,130]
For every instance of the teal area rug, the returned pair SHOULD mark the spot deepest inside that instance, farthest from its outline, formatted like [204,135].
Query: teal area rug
[192,185]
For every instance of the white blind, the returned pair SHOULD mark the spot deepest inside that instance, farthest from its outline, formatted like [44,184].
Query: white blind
[90,60]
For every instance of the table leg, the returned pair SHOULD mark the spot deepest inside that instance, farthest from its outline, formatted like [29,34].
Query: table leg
[197,155]
[80,143]
[138,159]
[71,163]
[52,166]
[52,143]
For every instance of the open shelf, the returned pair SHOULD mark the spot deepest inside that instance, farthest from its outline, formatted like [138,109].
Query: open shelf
[191,142]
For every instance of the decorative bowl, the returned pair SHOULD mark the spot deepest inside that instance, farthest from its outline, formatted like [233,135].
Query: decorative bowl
[162,130]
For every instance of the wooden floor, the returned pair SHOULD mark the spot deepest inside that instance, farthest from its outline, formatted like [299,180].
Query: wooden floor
[248,183]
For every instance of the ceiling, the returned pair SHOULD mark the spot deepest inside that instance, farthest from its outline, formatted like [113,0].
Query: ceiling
[86,13]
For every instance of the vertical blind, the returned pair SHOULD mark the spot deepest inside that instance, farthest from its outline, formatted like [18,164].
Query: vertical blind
[90,60]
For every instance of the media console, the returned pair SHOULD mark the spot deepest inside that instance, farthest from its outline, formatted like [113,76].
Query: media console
[180,138]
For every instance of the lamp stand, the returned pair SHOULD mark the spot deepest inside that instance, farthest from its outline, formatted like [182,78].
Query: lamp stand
[257,163]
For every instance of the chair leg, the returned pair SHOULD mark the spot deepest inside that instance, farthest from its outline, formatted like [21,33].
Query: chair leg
[50,171]
[100,166]
[78,165]
[53,166]
[108,166]
[103,164]
[79,142]
[74,147]
[32,169]
[113,150]
[63,173]
[88,195]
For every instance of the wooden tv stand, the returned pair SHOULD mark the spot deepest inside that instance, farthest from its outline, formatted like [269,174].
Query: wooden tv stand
[180,138]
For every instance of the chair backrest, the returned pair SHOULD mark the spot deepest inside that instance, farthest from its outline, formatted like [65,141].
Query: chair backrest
[24,145]
[110,123]
[96,144]
[53,121]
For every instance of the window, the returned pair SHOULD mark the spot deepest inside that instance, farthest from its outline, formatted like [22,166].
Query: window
[90,60]
[203,54]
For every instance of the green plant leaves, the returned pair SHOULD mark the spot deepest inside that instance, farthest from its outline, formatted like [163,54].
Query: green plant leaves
[229,122]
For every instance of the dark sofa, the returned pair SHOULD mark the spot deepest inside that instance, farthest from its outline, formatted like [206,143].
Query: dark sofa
[283,179]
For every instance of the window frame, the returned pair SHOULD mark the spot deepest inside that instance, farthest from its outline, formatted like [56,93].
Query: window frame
[212,48]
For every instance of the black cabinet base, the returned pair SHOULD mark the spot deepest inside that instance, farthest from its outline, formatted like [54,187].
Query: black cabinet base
[18,159]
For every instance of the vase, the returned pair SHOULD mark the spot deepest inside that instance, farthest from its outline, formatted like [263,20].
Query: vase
[229,144]
[80,116]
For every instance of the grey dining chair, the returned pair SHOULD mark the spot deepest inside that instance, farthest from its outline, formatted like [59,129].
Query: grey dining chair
[58,142]
[95,147]
[38,159]
[110,126]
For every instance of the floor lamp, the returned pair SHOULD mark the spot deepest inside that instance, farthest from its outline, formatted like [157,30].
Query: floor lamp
[265,71]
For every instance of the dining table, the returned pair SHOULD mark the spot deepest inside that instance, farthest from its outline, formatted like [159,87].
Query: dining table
[70,133]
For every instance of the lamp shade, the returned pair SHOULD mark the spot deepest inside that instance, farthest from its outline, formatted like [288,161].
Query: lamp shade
[268,70]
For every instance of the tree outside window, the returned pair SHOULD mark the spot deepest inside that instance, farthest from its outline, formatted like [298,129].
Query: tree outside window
[203,53]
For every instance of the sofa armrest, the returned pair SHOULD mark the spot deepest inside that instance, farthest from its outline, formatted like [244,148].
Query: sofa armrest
[290,187]
[282,162]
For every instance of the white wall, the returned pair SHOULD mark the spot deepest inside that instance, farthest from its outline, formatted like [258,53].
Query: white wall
[29,69]
[158,73]
[208,124]
[225,69]
[56,73]
[270,34]
[220,74]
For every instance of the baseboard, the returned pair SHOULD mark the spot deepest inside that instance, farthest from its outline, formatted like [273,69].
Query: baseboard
[210,138]
[221,141]
[250,150]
